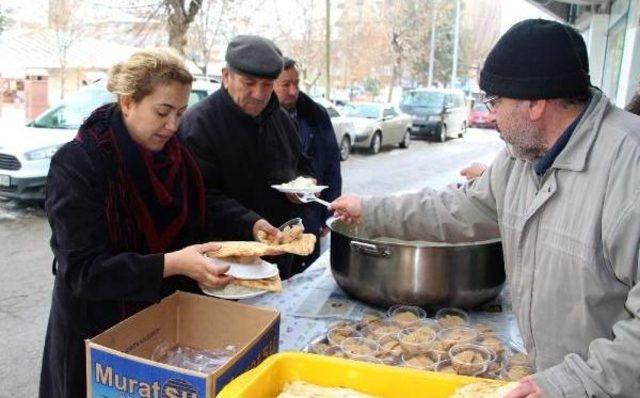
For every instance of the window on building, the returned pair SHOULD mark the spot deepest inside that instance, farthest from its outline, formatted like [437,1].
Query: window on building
[615,46]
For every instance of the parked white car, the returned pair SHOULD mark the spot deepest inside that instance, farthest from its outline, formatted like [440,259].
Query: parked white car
[343,127]
[25,154]
[378,125]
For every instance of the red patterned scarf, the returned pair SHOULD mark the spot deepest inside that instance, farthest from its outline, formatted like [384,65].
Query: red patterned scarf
[148,202]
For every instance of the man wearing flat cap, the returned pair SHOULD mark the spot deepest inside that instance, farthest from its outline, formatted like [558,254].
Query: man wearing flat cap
[564,197]
[244,143]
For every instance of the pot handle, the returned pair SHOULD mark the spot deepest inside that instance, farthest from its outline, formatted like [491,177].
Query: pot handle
[370,249]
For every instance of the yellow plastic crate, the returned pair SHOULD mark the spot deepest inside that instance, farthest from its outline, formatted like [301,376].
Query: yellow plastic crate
[268,379]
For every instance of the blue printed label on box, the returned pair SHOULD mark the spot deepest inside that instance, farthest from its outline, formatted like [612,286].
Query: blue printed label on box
[113,376]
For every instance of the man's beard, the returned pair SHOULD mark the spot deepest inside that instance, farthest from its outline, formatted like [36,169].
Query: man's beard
[523,137]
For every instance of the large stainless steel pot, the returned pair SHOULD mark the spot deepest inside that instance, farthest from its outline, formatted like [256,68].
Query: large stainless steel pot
[385,271]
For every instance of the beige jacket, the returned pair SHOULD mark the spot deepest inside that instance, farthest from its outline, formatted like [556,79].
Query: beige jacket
[571,243]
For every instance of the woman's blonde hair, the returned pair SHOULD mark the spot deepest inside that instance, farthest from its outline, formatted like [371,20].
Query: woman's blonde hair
[144,70]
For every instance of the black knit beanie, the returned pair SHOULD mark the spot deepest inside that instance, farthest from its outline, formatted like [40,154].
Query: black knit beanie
[537,59]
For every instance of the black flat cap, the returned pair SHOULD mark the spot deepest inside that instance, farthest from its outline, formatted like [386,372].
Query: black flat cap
[254,56]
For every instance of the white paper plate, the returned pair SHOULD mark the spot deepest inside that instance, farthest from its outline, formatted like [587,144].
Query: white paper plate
[261,270]
[313,189]
[232,292]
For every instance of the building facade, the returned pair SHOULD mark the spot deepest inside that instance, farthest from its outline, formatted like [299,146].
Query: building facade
[611,30]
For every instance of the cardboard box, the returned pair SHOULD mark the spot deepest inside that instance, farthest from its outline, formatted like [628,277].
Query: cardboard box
[119,364]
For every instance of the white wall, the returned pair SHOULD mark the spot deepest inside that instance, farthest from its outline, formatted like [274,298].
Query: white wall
[514,11]
[595,29]
[596,46]
[630,68]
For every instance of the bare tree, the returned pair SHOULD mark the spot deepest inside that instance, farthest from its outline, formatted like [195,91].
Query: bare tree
[217,23]
[418,42]
[177,14]
[478,16]
[349,27]
[206,30]
[301,36]
[179,18]
[67,29]
[404,52]
[402,21]
[361,45]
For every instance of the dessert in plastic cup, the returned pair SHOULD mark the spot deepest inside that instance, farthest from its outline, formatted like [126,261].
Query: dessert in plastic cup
[441,347]
[414,340]
[457,335]
[470,359]
[424,360]
[335,352]
[445,366]
[390,346]
[515,372]
[371,317]
[319,347]
[406,315]
[359,347]
[518,358]
[381,328]
[337,335]
[494,342]
[451,317]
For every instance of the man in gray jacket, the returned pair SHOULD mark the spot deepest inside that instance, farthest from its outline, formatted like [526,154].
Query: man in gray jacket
[564,196]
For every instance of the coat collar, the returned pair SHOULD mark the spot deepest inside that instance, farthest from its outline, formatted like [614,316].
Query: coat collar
[305,105]
[272,106]
[574,156]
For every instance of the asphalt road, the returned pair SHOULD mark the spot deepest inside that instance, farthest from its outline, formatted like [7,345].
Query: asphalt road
[26,282]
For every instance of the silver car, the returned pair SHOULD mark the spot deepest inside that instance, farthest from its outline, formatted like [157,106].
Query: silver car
[378,125]
[343,127]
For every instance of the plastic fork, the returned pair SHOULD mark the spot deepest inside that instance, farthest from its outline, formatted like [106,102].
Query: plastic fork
[309,197]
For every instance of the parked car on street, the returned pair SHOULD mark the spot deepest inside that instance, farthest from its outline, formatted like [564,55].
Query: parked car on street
[25,154]
[343,127]
[438,113]
[377,125]
[481,117]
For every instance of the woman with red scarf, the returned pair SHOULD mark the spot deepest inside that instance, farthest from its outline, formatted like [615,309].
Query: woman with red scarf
[125,201]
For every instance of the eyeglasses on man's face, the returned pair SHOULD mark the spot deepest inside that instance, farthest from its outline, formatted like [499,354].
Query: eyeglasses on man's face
[491,102]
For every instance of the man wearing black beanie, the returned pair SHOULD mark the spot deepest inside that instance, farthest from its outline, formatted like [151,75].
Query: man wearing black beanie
[564,197]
